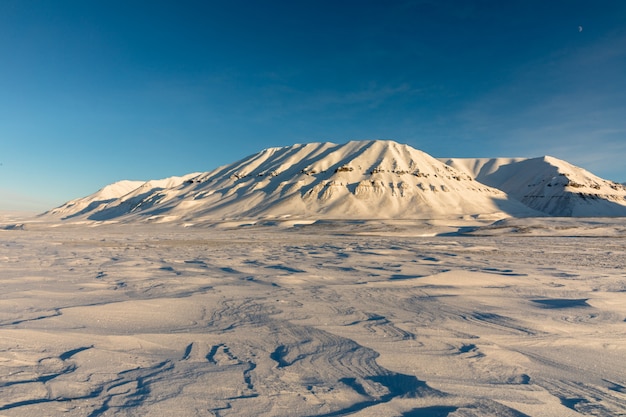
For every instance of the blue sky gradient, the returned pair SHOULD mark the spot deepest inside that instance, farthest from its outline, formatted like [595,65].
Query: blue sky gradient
[95,92]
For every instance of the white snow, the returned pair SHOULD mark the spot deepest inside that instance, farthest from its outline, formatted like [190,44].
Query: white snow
[115,199]
[358,180]
[376,179]
[100,197]
[365,279]
[548,184]
[359,318]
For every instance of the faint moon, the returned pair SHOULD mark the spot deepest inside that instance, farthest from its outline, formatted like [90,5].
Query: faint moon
[580,28]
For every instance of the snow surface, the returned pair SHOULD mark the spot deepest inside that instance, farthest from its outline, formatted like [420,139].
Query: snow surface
[365,279]
[360,318]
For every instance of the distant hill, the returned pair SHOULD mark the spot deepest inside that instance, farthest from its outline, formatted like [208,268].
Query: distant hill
[115,199]
[358,180]
[549,185]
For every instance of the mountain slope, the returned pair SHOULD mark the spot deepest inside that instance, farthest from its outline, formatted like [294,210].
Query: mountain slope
[548,184]
[357,180]
[92,202]
[115,198]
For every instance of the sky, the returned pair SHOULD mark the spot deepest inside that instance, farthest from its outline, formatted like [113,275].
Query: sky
[93,92]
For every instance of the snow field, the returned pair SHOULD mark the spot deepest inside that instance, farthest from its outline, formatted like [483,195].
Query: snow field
[365,319]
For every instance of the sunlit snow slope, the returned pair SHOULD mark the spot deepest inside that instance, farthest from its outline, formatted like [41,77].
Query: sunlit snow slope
[358,180]
[548,184]
[116,199]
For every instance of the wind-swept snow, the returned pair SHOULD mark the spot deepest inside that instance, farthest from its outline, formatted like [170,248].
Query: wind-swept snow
[318,320]
[364,279]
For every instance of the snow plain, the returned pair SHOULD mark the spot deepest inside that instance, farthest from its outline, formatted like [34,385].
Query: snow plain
[390,318]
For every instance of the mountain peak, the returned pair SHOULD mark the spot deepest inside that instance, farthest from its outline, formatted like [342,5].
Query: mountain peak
[549,185]
[370,179]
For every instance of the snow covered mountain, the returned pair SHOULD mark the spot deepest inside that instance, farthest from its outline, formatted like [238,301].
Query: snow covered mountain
[92,202]
[116,199]
[548,184]
[357,180]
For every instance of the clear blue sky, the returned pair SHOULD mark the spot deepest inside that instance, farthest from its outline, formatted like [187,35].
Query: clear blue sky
[92,92]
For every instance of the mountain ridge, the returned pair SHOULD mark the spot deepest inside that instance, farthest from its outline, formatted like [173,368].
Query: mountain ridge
[549,185]
[374,179]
